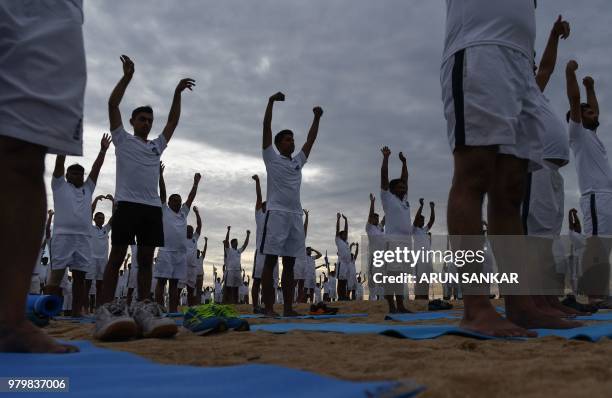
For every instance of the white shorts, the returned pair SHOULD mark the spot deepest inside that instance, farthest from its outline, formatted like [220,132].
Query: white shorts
[597,213]
[283,234]
[233,278]
[43,73]
[72,251]
[171,265]
[309,283]
[132,282]
[299,269]
[191,277]
[491,98]
[96,270]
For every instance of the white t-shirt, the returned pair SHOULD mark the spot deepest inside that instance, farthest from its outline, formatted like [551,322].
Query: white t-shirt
[555,138]
[374,230]
[72,206]
[233,259]
[284,180]
[311,268]
[99,241]
[420,238]
[592,165]
[191,245]
[137,167]
[260,218]
[397,214]
[175,228]
[508,23]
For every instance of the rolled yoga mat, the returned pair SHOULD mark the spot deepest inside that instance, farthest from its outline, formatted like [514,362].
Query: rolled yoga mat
[44,305]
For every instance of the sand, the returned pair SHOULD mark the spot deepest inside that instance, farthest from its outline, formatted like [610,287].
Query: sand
[448,366]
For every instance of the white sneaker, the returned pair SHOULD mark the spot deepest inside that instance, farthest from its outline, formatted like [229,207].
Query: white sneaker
[114,323]
[151,323]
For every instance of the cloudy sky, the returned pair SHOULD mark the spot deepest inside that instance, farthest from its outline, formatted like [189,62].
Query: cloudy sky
[372,66]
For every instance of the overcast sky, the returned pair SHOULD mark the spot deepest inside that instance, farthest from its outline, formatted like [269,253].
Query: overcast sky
[372,66]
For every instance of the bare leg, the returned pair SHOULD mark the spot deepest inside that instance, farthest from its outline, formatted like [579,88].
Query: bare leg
[267,284]
[505,198]
[111,273]
[300,288]
[159,290]
[173,292]
[79,294]
[21,232]
[287,281]
[255,292]
[98,293]
[190,296]
[198,292]
[145,271]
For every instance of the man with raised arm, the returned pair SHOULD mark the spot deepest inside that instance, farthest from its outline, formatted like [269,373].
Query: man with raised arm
[344,257]
[421,242]
[398,228]
[71,243]
[299,269]
[171,263]
[99,247]
[233,276]
[283,232]
[193,262]
[138,218]
[595,183]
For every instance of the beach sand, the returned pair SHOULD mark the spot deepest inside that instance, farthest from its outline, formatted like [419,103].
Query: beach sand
[449,366]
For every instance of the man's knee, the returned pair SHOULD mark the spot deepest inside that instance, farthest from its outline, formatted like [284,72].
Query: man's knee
[25,159]
[508,188]
[474,169]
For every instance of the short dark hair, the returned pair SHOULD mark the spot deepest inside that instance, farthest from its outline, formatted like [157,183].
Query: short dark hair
[76,167]
[142,109]
[393,183]
[100,213]
[279,136]
[173,195]
[582,107]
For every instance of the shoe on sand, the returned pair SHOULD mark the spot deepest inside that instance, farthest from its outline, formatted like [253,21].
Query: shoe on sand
[150,320]
[113,322]
[201,323]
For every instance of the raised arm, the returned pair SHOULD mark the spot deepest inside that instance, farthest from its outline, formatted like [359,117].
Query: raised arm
[162,183]
[258,201]
[419,212]
[356,250]
[573,91]
[58,171]
[338,215]
[246,241]
[305,222]
[196,211]
[404,176]
[194,189]
[314,130]
[345,225]
[112,199]
[97,165]
[114,114]
[205,247]
[372,201]
[589,85]
[94,204]
[319,254]
[267,122]
[561,29]
[384,169]
[432,215]
[175,108]
[227,235]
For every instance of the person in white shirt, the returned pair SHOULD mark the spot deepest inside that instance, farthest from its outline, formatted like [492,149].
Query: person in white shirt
[393,195]
[171,263]
[243,291]
[200,270]
[232,254]
[359,288]
[491,104]
[375,232]
[311,272]
[300,267]
[138,217]
[71,243]
[191,245]
[99,247]
[67,286]
[351,274]
[259,258]
[595,183]
[218,289]
[422,242]
[317,293]
[283,233]
[344,257]
[41,111]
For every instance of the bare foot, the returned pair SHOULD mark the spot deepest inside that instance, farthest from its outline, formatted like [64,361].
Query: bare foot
[568,311]
[487,321]
[28,338]
[543,305]
[533,318]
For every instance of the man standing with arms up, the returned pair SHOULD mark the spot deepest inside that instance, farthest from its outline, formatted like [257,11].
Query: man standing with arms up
[283,232]
[138,217]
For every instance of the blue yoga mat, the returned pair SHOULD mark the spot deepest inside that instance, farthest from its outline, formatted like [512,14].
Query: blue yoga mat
[598,316]
[98,372]
[85,319]
[421,316]
[421,332]
[44,305]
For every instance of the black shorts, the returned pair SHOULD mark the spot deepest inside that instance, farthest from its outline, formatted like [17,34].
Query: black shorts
[136,220]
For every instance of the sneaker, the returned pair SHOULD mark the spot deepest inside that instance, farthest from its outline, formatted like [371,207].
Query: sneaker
[202,324]
[150,320]
[113,322]
[238,324]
